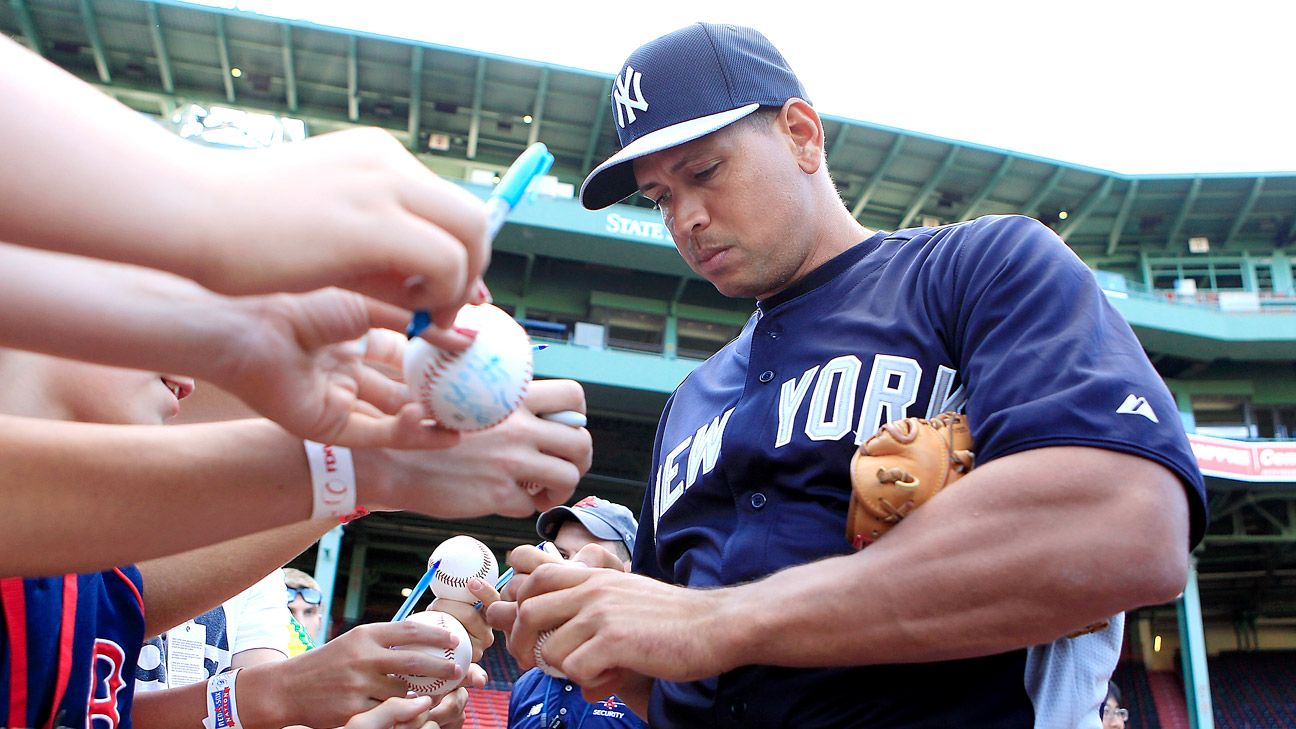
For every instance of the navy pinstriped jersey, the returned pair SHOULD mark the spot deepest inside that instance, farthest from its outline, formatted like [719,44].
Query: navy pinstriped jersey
[71,643]
[995,317]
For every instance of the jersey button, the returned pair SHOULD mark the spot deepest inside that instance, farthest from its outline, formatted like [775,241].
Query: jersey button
[773,335]
[567,687]
[758,500]
[766,376]
[738,709]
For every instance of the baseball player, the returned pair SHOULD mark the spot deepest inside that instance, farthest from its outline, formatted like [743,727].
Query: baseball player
[750,607]
[540,701]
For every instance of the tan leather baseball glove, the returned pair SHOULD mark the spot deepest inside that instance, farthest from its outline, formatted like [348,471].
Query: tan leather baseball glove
[903,465]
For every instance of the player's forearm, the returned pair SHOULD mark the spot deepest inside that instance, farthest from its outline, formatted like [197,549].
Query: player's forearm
[130,493]
[181,586]
[1020,552]
[134,188]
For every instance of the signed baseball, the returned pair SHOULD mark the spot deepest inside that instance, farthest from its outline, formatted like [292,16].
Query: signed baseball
[462,558]
[461,655]
[540,662]
[481,385]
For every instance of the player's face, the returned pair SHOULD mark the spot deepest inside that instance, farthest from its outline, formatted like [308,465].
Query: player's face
[308,615]
[572,537]
[733,202]
[92,393]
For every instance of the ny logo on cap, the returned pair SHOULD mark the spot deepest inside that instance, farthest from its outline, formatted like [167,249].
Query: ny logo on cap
[625,102]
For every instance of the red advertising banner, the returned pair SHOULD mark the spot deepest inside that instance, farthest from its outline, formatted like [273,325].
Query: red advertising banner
[1244,461]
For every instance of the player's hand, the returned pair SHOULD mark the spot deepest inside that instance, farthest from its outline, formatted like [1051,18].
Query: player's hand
[606,622]
[353,673]
[502,614]
[473,619]
[398,712]
[352,209]
[296,360]
[484,473]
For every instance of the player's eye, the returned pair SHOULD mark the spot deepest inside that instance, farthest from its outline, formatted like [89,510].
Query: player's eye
[660,201]
[706,174]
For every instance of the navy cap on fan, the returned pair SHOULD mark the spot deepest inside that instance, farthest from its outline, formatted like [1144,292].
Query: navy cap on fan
[682,86]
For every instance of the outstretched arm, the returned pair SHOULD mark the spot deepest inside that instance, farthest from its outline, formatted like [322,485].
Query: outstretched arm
[291,358]
[97,481]
[83,174]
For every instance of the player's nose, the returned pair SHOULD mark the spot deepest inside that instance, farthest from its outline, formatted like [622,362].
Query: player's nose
[689,217]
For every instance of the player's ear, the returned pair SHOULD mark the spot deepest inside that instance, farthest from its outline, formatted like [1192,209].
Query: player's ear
[805,132]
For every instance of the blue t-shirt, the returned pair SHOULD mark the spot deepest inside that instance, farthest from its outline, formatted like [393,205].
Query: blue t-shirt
[70,642]
[995,317]
[540,701]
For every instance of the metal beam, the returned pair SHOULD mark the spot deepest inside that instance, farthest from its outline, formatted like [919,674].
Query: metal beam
[1291,234]
[27,26]
[353,78]
[1256,188]
[415,96]
[222,49]
[596,131]
[96,42]
[1113,238]
[537,109]
[474,127]
[837,143]
[1029,207]
[1184,209]
[160,48]
[290,67]
[880,173]
[1074,219]
[987,188]
[926,190]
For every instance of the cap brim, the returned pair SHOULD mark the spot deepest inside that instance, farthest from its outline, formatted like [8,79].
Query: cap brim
[551,521]
[614,181]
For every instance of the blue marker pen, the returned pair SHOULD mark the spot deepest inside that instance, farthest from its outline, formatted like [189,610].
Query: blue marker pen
[534,162]
[416,593]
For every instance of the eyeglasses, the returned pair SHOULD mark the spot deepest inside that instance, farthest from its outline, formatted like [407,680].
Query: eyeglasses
[1122,714]
[308,594]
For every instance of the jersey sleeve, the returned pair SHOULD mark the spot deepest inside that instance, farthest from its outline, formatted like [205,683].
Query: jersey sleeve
[1048,361]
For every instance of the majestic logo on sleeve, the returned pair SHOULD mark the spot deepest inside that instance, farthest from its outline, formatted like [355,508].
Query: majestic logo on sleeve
[824,403]
[627,97]
[1135,405]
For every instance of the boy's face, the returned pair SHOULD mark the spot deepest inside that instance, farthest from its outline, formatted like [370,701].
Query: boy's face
[92,393]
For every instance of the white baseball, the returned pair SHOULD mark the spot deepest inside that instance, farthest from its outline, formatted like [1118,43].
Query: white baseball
[462,558]
[481,385]
[540,662]
[461,655]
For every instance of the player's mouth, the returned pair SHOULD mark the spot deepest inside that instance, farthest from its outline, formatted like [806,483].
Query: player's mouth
[710,259]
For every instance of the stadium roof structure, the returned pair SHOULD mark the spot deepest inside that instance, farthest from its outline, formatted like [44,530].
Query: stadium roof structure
[146,53]
[454,105]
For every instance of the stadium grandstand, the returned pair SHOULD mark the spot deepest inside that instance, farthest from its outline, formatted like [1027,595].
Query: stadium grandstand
[1198,264]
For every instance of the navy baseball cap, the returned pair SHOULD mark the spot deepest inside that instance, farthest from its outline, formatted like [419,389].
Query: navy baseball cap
[682,86]
[601,517]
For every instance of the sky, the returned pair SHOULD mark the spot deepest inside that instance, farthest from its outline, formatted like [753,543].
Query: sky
[1136,87]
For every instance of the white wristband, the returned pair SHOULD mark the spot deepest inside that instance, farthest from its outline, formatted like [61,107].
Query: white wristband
[222,701]
[332,480]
